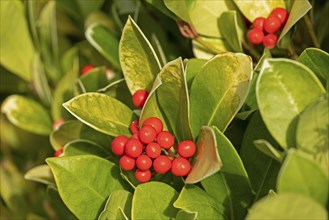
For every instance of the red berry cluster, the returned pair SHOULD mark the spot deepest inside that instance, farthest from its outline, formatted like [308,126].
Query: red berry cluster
[149,149]
[264,29]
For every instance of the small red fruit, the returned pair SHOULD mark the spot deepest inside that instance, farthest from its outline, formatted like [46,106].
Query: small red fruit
[139,98]
[118,145]
[133,148]
[281,13]
[272,24]
[180,166]
[153,150]
[155,122]
[135,136]
[162,164]
[270,41]
[186,149]
[258,23]
[143,162]
[58,152]
[255,36]
[143,175]
[134,128]
[127,163]
[165,139]
[147,134]
[86,69]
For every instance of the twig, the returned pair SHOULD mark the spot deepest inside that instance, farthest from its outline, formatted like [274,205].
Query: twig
[254,53]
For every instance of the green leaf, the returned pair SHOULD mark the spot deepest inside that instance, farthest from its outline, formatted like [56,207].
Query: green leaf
[95,79]
[16,54]
[183,215]
[67,132]
[265,147]
[85,182]
[192,199]
[193,66]
[301,175]
[219,90]
[173,99]
[119,203]
[101,112]
[253,8]
[104,42]
[27,114]
[139,62]
[207,160]
[230,186]
[154,200]
[318,61]
[86,7]
[262,170]
[179,8]
[159,4]
[287,206]
[84,147]
[41,174]
[284,88]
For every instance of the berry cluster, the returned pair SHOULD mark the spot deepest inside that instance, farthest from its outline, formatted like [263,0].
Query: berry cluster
[149,148]
[264,29]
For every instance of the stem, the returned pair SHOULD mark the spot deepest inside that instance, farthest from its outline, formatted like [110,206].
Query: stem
[311,31]
[254,53]
[292,51]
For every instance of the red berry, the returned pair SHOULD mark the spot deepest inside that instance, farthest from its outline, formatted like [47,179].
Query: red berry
[147,134]
[156,123]
[118,145]
[186,148]
[86,69]
[133,148]
[58,152]
[255,36]
[143,162]
[180,166]
[165,139]
[134,128]
[153,150]
[139,98]
[127,163]
[58,123]
[272,24]
[143,175]
[162,164]
[258,23]
[281,13]
[270,41]
[135,136]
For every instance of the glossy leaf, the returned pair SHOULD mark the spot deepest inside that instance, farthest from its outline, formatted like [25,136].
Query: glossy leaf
[284,88]
[154,200]
[192,199]
[16,54]
[95,79]
[207,160]
[80,184]
[275,207]
[67,132]
[219,90]
[230,186]
[184,215]
[318,61]
[193,66]
[265,147]
[179,8]
[41,174]
[138,60]
[27,114]
[105,42]
[173,99]
[301,175]
[101,112]
[159,4]
[119,203]
[84,147]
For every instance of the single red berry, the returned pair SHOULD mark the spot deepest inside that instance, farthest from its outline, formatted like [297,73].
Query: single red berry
[134,128]
[258,23]
[147,134]
[135,136]
[58,152]
[127,163]
[86,69]
[270,41]
[143,175]
[281,13]
[58,123]
[118,145]
[255,36]
[133,148]
[180,166]
[143,162]
[139,98]
[153,150]
[186,149]
[165,139]
[155,122]
[272,24]
[162,164]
